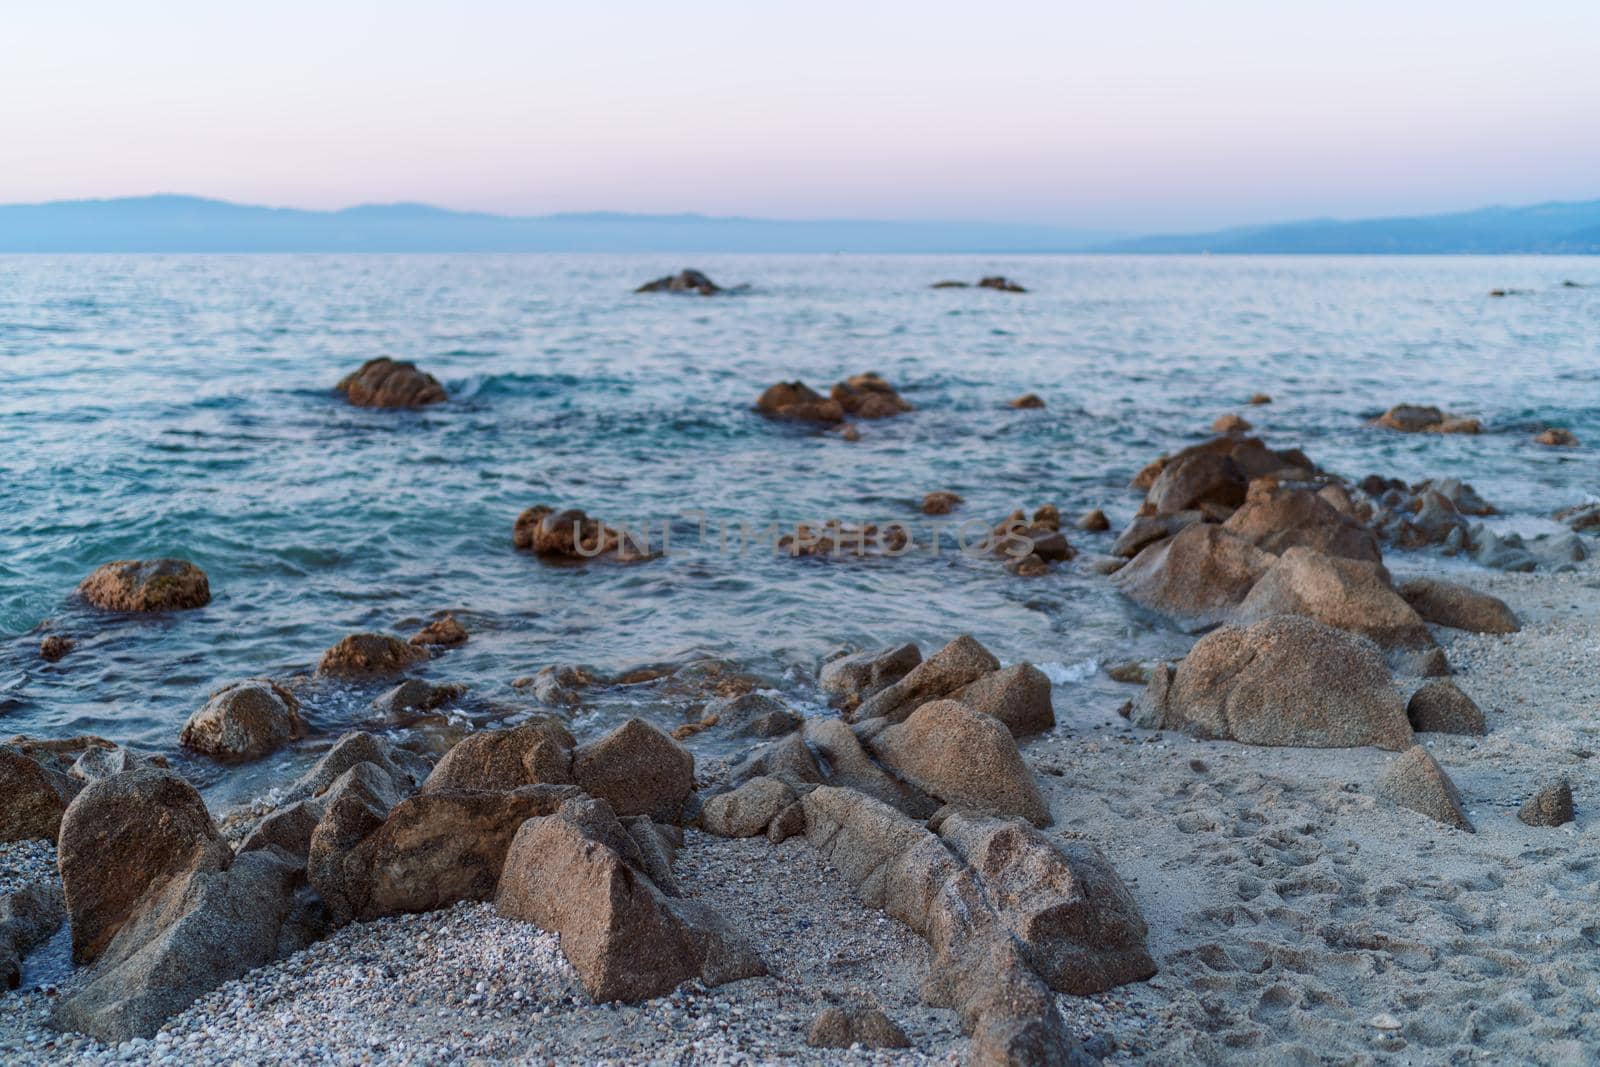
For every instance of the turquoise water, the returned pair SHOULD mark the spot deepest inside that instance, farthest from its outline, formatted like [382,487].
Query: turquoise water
[182,405]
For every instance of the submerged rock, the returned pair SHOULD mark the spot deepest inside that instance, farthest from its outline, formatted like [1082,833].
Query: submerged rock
[571,536]
[443,632]
[796,400]
[687,280]
[867,396]
[388,383]
[1417,782]
[1000,282]
[1556,437]
[53,649]
[1550,806]
[940,502]
[368,656]
[1028,402]
[147,585]
[1419,418]
[244,721]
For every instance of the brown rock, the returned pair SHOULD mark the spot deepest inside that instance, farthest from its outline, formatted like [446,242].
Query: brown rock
[747,810]
[1230,423]
[412,700]
[1557,438]
[403,769]
[28,918]
[1146,530]
[1251,455]
[388,383]
[960,663]
[443,632]
[1199,578]
[1441,707]
[535,753]
[1550,806]
[638,770]
[1029,566]
[1344,593]
[855,677]
[795,400]
[865,1026]
[122,836]
[940,503]
[1260,398]
[1418,418]
[55,648]
[368,656]
[147,585]
[1195,480]
[1415,781]
[1457,606]
[1003,284]
[1094,521]
[867,396]
[1019,696]
[32,797]
[244,721]
[687,280]
[1028,401]
[626,938]
[963,757]
[1286,680]
[1276,519]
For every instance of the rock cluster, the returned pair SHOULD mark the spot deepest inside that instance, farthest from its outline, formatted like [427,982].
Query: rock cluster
[1420,418]
[571,536]
[133,585]
[388,383]
[864,396]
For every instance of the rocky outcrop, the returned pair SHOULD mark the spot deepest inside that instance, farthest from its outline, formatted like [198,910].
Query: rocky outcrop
[1286,680]
[1550,806]
[853,678]
[1343,593]
[389,383]
[405,769]
[1094,521]
[1420,418]
[956,665]
[1459,607]
[443,632]
[244,721]
[1441,707]
[869,1027]
[1249,454]
[134,585]
[1275,518]
[1556,437]
[570,873]
[1003,284]
[1417,782]
[33,797]
[1231,423]
[368,656]
[638,770]
[1146,530]
[413,698]
[687,280]
[1018,696]
[1198,578]
[535,753]
[961,757]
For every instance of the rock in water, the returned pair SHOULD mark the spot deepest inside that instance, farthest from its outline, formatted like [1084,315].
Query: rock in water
[638,770]
[1550,806]
[244,721]
[627,939]
[1275,519]
[798,401]
[1286,680]
[1198,578]
[1457,606]
[1418,418]
[1441,707]
[842,1027]
[687,280]
[1028,402]
[388,383]
[1415,781]
[1094,521]
[32,797]
[940,502]
[1001,283]
[1195,480]
[851,679]
[867,396]
[368,656]
[1231,423]
[443,632]
[147,585]
[54,649]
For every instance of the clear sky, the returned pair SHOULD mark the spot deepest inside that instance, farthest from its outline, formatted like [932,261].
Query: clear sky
[1127,115]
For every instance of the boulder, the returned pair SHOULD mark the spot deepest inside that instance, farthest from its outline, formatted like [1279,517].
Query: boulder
[962,757]
[1250,454]
[570,536]
[1275,518]
[853,678]
[1286,680]
[1019,696]
[288,828]
[1344,593]
[389,383]
[687,280]
[798,402]
[1028,402]
[940,502]
[123,836]
[1094,521]
[28,918]
[1457,606]
[868,1027]
[33,797]
[413,698]
[1230,423]
[958,664]
[535,753]
[839,757]
[1146,530]
[638,770]
[627,939]
[747,810]
[750,715]
[244,721]
[1415,781]
[1260,398]
[147,585]
[54,649]
[368,656]
[1194,481]
[1003,284]
[1198,578]
[1441,707]
[867,396]
[102,761]
[1550,806]
[1420,418]
[443,632]
[404,769]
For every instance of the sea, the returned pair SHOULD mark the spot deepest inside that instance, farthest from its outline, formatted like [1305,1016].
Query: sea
[176,405]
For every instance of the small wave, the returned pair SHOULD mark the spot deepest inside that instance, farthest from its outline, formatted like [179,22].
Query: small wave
[1069,673]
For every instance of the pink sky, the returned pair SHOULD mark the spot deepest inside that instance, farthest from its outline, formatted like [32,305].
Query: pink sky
[1136,116]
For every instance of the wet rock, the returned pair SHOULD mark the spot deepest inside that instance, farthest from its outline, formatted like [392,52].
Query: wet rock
[1199,578]
[687,280]
[1416,782]
[1028,402]
[558,684]
[405,770]
[958,664]
[1457,606]
[368,656]
[414,697]
[147,585]
[53,649]
[867,396]
[750,715]
[1003,284]
[244,721]
[1018,696]
[962,757]
[1029,566]
[535,753]
[28,918]
[1146,530]
[1276,519]
[1195,480]
[1348,594]
[851,679]
[1556,437]
[288,828]
[388,383]
[1419,418]
[571,536]
[33,797]
[122,835]
[798,402]
[1441,707]
[747,810]
[1259,398]
[626,938]
[1502,553]
[1230,423]
[638,770]
[1286,680]
[940,503]
[1580,516]
[1550,806]
[868,1027]
[1253,458]
[443,632]
[1094,521]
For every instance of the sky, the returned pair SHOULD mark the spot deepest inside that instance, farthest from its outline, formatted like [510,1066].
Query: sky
[1133,116]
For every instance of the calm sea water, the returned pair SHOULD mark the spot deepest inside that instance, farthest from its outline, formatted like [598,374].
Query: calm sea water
[182,405]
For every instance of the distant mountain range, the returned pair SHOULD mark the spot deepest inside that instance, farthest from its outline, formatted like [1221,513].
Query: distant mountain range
[194,224]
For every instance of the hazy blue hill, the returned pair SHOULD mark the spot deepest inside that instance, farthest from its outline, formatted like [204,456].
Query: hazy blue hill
[193,224]
[1548,228]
